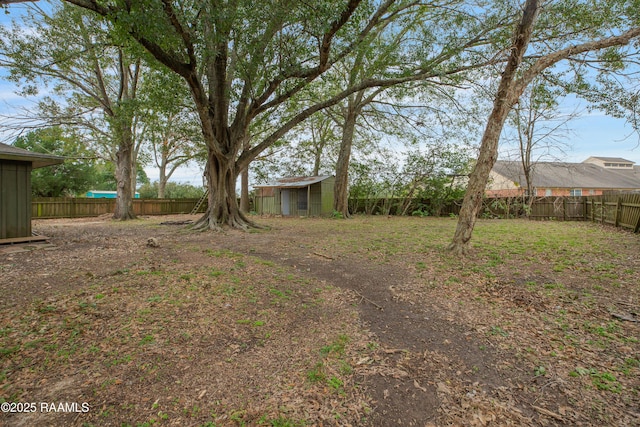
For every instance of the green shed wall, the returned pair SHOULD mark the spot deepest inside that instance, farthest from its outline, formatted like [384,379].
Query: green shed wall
[319,196]
[326,199]
[15,199]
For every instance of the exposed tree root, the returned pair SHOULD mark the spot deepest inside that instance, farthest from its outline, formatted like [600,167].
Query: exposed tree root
[238,221]
[126,217]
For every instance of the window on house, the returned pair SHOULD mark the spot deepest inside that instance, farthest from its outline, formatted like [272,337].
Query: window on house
[575,192]
[548,192]
[302,199]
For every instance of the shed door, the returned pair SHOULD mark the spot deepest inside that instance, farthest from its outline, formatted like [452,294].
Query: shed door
[284,202]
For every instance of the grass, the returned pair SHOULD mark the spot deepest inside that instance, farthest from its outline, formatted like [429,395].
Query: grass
[541,292]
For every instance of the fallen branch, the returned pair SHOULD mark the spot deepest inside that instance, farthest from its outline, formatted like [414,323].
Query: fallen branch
[322,255]
[548,412]
[623,317]
[185,222]
[362,297]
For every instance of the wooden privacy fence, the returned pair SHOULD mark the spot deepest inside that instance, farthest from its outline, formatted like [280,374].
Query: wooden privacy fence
[71,207]
[619,210]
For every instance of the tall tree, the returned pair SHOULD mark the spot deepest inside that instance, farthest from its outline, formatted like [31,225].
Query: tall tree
[95,84]
[170,124]
[445,41]
[540,128]
[579,23]
[243,60]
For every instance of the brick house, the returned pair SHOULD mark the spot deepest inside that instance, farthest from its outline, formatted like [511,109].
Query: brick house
[594,176]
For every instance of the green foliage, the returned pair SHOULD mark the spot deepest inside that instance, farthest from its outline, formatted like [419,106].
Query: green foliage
[435,177]
[173,190]
[73,177]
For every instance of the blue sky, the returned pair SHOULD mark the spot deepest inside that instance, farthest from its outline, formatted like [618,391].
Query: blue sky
[592,134]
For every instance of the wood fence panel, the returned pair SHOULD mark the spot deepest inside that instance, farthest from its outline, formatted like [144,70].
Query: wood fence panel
[619,210]
[70,207]
[630,212]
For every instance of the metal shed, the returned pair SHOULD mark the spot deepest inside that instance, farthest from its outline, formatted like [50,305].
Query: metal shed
[15,190]
[296,196]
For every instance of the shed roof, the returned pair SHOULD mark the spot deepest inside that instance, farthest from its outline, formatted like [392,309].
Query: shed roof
[295,181]
[38,160]
[570,175]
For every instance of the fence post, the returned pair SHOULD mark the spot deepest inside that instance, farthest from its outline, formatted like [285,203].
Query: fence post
[618,211]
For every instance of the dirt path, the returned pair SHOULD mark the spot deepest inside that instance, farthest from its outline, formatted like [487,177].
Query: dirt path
[415,337]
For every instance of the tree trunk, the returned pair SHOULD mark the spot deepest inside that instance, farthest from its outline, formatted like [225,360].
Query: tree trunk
[223,207]
[341,187]
[505,99]
[244,184]
[316,162]
[244,190]
[124,200]
[162,181]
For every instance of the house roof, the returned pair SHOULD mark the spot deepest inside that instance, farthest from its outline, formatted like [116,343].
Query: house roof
[38,160]
[570,175]
[611,159]
[295,181]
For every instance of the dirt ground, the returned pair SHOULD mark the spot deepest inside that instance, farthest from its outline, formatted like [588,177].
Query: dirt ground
[320,322]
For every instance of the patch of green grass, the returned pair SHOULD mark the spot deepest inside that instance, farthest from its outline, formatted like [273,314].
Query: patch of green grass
[337,347]
[215,272]
[147,339]
[606,381]
[607,331]
[229,290]
[497,330]
[540,371]
[280,296]
[6,351]
[600,380]
[121,360]
[316,374]
[335,383]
